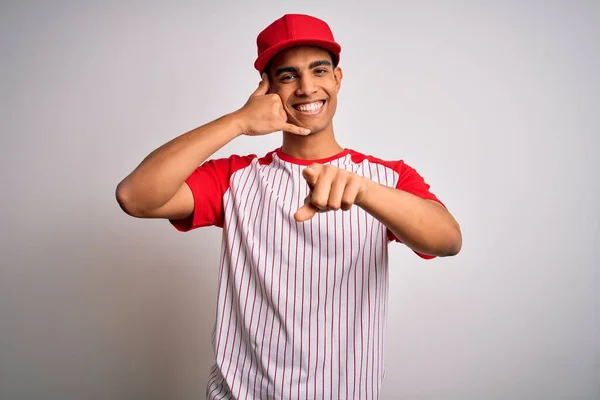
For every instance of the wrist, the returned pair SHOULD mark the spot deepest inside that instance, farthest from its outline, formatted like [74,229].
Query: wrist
[238,122]
[366,187]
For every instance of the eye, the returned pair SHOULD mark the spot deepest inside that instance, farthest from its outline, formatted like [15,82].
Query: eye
[288,77]
[320,71]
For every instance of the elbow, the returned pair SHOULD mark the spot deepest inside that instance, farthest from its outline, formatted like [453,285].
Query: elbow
[453,242]
[126,200]
[453,250]
[444,243]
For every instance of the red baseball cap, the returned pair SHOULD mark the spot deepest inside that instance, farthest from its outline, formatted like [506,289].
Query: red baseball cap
[294,30]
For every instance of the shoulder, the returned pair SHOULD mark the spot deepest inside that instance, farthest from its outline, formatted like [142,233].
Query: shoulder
[235,162]
[395,173]
[397,165]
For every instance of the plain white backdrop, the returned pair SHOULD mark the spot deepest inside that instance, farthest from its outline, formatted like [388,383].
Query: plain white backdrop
[494,103]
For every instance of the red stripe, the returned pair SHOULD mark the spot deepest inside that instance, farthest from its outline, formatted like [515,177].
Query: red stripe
[366,351]
[279,297]
[348,297]
[231,313]
[248,343]
[218,347]
[356,302]
[370,331]
[221,269]
[333,300]
[220,296]
[318,215]
[379,238]
[295,283]
[287,292]
[362,297]
[254,357]
[245,301]
[310,307]
[265,296]
[384,305]
[340,308]
[376,321]
[271,288]
[302,307]
[326,287]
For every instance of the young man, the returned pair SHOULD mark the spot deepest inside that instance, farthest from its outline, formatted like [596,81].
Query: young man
[302,297]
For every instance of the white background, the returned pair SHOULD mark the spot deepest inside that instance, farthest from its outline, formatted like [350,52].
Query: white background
[496,104]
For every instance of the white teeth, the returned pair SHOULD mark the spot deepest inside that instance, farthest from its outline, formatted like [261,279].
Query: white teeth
[311,107]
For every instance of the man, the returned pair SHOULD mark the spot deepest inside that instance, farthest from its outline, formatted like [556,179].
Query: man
[302,297]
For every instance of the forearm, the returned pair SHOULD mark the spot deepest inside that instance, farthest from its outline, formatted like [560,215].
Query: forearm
[423,225]
[162,172]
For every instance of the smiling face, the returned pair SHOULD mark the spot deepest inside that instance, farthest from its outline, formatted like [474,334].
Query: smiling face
[308,84]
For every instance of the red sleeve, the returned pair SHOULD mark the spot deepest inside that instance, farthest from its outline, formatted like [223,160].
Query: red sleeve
[410,181]
[208,184]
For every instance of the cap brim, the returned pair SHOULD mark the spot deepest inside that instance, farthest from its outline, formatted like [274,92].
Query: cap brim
[262,61]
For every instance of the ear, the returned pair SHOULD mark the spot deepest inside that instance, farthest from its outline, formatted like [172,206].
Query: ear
[338,74]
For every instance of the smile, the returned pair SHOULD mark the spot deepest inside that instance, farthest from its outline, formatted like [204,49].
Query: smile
[310,108]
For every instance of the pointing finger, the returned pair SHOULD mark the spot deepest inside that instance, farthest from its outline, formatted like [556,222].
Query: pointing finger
[310,175]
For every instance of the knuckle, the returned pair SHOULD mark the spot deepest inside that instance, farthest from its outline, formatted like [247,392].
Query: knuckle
[346,206]
[347,202]
[319,202]
[334,205]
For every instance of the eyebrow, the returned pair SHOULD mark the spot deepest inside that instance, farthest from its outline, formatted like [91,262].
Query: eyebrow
[312,65]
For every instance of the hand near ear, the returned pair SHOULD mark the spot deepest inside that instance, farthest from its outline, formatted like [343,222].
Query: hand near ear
[263,113]
[332,188]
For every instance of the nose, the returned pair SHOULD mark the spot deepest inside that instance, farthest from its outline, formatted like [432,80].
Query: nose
[306,86]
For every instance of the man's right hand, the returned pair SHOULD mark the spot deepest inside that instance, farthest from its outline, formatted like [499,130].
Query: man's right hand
[157,187]
[263,113]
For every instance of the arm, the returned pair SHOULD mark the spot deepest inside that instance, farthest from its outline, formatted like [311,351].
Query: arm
[423,225]
[157,188]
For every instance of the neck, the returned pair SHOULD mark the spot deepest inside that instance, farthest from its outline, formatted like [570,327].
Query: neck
[312,147]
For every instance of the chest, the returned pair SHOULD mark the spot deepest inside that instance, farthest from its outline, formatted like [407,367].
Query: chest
[260,209]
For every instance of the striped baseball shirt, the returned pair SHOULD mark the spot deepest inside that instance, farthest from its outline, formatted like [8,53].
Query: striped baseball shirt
[301,308]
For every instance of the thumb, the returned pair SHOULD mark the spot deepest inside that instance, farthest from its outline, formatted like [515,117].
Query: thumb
[263,86]
[296,130]
[306,212]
